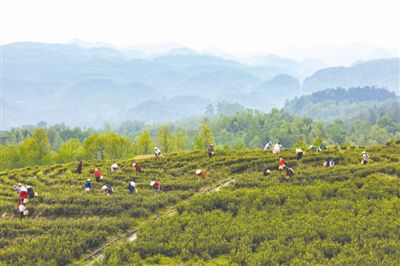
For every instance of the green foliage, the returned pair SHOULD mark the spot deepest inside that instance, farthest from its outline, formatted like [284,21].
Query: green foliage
[342,215]
[204,138]
[69,151]
[145,142]
[246,129]
[346,214]
[163,138]
[36,149]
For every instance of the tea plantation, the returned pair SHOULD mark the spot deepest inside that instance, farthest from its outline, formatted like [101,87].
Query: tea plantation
[348,214]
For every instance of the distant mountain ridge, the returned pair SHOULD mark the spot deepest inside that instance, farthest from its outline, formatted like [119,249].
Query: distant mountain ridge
[380,73]
[63,82]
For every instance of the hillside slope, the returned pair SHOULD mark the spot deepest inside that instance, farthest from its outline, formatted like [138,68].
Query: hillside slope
[365,104]
[348,214]
[380,73]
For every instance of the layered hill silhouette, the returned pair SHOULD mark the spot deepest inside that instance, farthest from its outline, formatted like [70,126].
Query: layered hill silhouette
[62,82]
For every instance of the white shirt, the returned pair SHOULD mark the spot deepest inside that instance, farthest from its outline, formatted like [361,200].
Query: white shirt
[277,148]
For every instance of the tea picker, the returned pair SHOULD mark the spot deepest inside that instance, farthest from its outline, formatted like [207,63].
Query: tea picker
[155,185]
[322,147]
[282,164]
[31,194]
[137,167]
[277,148]
[210,150]
[268,146]
[97,175]
[107,188]
[157,152]
[313,148]
[132,186]
[289,172]
[201,173]
[365,157]
[299,153]
[88,185]
[114,168]
[266,172]
[21,208]
[79,168]
[22,191]
[329,162]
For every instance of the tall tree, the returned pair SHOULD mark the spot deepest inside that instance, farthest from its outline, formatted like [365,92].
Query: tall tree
[178,141]
[69,151]
[145,142]
[36,149]
[116,146]
[163,138]
[204,138]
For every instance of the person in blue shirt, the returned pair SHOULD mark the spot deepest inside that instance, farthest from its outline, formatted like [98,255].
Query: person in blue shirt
[132,186]
[88,185]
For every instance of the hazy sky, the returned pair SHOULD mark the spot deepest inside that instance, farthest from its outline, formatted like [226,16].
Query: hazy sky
[232,26]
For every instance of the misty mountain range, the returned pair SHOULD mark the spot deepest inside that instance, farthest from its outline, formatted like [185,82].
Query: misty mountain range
[88,86]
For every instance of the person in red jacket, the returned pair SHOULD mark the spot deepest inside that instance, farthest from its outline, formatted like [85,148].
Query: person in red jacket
[155,185]
[282,163]
[97,174]
[22,191]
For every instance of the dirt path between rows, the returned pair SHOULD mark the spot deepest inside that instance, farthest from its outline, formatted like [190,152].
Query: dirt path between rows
[169,211]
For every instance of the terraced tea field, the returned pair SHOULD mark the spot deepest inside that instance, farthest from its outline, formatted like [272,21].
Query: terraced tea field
[346,214]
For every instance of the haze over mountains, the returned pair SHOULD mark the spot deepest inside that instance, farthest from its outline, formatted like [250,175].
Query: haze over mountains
[82,85]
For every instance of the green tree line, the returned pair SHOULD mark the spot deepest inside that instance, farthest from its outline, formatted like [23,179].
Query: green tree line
[248,129]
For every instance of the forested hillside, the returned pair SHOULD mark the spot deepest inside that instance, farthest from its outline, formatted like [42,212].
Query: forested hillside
[345,214]
[367,104]
[41,145]
[379,73]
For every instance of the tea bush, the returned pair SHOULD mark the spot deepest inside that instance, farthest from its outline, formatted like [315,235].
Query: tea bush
[346,214]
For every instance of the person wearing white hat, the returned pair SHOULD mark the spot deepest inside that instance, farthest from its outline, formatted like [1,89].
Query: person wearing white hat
[132,186]
[114,167]
[155,185]
[266,172]
[107,189]
[157,152]
[289,173]
[137,167]
[365,157]
[22,191]
[299,153]
[201,173]
[329,162]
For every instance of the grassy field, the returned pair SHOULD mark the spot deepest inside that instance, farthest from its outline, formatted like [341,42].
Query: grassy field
[347,214]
